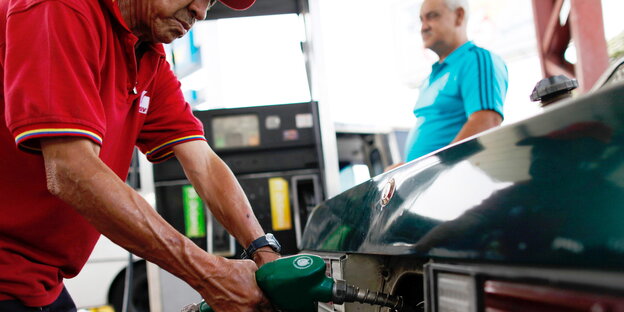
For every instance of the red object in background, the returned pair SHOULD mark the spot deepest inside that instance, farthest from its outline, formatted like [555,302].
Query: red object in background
[584,27]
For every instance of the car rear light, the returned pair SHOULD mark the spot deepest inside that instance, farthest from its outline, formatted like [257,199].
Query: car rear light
[508,296]
[455,292]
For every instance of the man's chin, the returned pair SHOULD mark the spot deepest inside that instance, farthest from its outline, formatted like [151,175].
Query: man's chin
[426,42]
[167,37]
[166,41]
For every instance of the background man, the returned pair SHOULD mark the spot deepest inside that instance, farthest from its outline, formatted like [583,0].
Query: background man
[465,91]
[84,82]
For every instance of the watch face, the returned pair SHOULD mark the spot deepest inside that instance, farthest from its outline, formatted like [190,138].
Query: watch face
[273,242]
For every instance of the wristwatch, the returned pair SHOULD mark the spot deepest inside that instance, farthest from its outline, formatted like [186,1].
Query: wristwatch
[266,240]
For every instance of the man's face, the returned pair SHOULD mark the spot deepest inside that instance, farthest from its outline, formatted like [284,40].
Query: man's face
[438,24]
[166,20]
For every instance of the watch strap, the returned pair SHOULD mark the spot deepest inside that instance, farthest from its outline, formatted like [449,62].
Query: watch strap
[262,241]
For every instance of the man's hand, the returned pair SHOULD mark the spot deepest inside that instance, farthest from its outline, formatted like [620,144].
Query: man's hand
[217,186]
[233,288]
[264,255]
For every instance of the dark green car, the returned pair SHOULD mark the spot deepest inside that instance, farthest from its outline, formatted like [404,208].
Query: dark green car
[526,217]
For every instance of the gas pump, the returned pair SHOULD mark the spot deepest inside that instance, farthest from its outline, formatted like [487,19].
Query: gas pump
[275,153]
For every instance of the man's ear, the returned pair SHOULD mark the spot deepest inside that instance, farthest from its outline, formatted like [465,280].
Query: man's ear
[460,15]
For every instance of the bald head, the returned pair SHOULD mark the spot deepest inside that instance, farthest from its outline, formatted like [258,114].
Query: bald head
[444,25]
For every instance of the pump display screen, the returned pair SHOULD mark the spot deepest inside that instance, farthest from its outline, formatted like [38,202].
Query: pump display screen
[236,131]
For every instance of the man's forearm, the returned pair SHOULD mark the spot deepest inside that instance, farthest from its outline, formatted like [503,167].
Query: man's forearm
[217,186]
[477,123]
[117,211]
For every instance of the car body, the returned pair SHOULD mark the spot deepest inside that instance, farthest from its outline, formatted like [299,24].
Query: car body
[528,216]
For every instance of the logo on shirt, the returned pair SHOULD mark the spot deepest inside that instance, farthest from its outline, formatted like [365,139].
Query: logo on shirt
[144,103]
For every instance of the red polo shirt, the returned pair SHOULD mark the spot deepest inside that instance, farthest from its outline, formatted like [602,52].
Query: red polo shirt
[69,69]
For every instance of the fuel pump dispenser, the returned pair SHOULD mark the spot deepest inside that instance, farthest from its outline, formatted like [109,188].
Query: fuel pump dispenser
[275,153]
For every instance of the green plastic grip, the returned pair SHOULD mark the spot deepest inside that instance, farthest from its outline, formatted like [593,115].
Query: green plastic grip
[293,284]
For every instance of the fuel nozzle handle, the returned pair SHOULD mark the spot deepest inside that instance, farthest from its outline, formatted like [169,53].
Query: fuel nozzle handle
[297,283]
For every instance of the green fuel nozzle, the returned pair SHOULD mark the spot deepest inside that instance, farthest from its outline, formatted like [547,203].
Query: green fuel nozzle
[297,283]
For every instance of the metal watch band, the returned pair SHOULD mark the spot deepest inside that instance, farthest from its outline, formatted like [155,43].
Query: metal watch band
[262,241]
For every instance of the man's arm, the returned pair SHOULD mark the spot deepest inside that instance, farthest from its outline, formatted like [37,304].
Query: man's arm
[217,186]
[76,175]
[478,122]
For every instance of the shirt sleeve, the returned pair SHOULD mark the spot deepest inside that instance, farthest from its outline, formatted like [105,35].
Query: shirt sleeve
[52,55]
[484,83]
[170,120]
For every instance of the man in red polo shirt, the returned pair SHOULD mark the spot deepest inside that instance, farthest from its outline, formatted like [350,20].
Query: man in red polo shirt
[84,81]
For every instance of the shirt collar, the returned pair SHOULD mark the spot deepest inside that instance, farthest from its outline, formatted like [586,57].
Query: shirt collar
[113,8]
[457,53]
